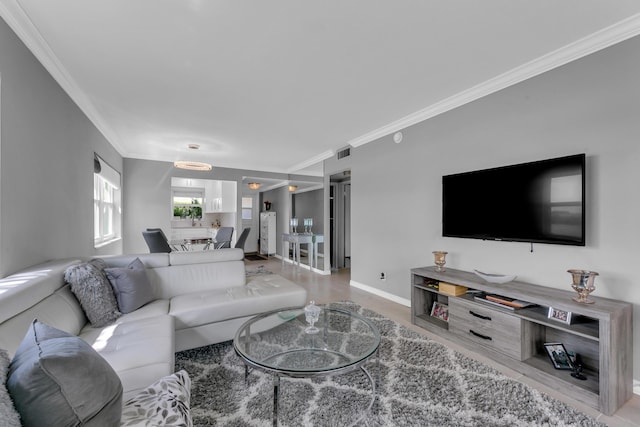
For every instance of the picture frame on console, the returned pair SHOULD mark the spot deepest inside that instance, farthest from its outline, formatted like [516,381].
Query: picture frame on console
[440,311]
[558,355]
[559,315]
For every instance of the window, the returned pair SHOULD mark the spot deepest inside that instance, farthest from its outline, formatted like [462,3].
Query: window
[106,204]
[188,202]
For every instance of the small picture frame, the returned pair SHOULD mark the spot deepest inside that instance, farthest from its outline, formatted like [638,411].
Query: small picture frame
[558,355]
[440,311]
[559,315]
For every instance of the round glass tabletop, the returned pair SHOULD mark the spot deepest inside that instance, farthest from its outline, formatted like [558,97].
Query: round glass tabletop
[282,342]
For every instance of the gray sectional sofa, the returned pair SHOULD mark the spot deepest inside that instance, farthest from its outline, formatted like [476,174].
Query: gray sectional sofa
[199,298]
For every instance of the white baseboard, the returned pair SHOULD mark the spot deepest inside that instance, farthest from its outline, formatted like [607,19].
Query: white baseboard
[380,293]
[305,266]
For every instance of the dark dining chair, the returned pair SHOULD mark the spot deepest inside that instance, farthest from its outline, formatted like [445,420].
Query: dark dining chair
[164,236]
[223,238]
[156,241]
[243,238]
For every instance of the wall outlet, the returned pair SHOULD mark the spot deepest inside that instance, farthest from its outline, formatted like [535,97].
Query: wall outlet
[383,276]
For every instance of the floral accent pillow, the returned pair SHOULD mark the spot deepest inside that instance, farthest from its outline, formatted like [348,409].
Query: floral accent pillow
[165,402]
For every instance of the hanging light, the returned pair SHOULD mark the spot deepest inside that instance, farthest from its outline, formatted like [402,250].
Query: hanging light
[254,185]
[193,166]
[293,188]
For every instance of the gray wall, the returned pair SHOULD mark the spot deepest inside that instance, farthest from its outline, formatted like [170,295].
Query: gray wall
[590,106]
[46,165]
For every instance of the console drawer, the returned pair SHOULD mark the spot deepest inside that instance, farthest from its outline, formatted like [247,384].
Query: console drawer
[491,328]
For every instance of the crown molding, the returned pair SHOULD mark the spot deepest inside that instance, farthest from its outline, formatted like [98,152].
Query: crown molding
[592,43]
[312,161]
[15,16]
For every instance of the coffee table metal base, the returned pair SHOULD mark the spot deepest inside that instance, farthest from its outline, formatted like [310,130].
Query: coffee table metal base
[276,389]
[309,355]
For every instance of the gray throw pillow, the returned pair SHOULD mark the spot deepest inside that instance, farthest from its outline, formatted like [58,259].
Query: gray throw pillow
[8,415]
[57,379]
[92,288]
[131,286]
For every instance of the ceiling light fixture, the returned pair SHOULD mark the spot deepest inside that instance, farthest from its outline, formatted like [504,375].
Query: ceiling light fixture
[254,185]
[293,188]
[193,166]
[194,146]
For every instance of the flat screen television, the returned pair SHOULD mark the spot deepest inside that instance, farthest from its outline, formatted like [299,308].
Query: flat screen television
[537,202]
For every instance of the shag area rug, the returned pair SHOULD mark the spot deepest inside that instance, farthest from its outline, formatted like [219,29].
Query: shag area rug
[257,271]
[419,383]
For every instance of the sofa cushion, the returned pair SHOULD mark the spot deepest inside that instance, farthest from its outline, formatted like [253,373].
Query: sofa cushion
[164,403]
[140,351]
[263,293]
[131,286]
[8,413]
[57,379]
[93,290]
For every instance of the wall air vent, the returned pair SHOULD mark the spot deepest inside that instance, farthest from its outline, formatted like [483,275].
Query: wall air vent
[346,152]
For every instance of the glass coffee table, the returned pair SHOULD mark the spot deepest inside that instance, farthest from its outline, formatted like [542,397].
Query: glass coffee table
[281,342]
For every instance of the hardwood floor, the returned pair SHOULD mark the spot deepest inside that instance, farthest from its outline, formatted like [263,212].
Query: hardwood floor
[335,287]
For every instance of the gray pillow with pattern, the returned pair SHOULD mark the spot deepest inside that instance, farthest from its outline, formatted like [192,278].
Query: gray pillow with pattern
[92,288]
[164,403]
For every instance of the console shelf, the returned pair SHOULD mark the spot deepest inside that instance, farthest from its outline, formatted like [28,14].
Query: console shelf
[601,334]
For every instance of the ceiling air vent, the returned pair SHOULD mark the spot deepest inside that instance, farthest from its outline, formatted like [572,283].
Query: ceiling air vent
[344,153]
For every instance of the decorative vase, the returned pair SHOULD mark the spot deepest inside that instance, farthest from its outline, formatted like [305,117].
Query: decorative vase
[583,284]
[312,314]
[267,206]
[440,259]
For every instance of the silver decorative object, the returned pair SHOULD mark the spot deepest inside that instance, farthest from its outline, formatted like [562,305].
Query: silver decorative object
[583,284]
[312,314]
[440,259]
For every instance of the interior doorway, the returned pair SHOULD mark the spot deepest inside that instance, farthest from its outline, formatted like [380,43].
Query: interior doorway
[340,220]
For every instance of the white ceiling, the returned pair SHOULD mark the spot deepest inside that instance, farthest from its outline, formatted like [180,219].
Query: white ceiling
[281,85]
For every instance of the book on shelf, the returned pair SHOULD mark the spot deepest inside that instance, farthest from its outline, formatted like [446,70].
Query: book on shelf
[431,283]
[502,301]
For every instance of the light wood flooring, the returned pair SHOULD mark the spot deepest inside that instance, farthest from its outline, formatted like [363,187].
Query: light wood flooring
[335,287]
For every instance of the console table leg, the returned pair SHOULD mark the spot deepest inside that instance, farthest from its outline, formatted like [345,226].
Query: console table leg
[276,387]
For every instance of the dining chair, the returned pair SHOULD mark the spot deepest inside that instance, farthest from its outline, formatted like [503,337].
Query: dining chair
[243,238]
[164,236]
[223,238]
[156,241]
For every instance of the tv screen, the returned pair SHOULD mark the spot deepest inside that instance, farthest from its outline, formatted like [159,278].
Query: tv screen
[538,202]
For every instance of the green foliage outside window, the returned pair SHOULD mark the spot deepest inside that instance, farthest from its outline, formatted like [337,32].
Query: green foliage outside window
[189,208]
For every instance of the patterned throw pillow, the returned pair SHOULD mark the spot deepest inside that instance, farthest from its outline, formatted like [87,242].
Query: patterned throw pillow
[131,286]
[9,417]
[92,288]
[164,403]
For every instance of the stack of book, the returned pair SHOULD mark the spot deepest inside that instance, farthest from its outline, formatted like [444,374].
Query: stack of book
[431,283]
[501,301]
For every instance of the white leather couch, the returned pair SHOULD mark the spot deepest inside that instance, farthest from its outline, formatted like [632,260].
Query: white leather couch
[202,298]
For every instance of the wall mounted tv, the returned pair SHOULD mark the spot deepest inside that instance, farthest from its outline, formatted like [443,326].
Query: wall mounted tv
[537,202]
